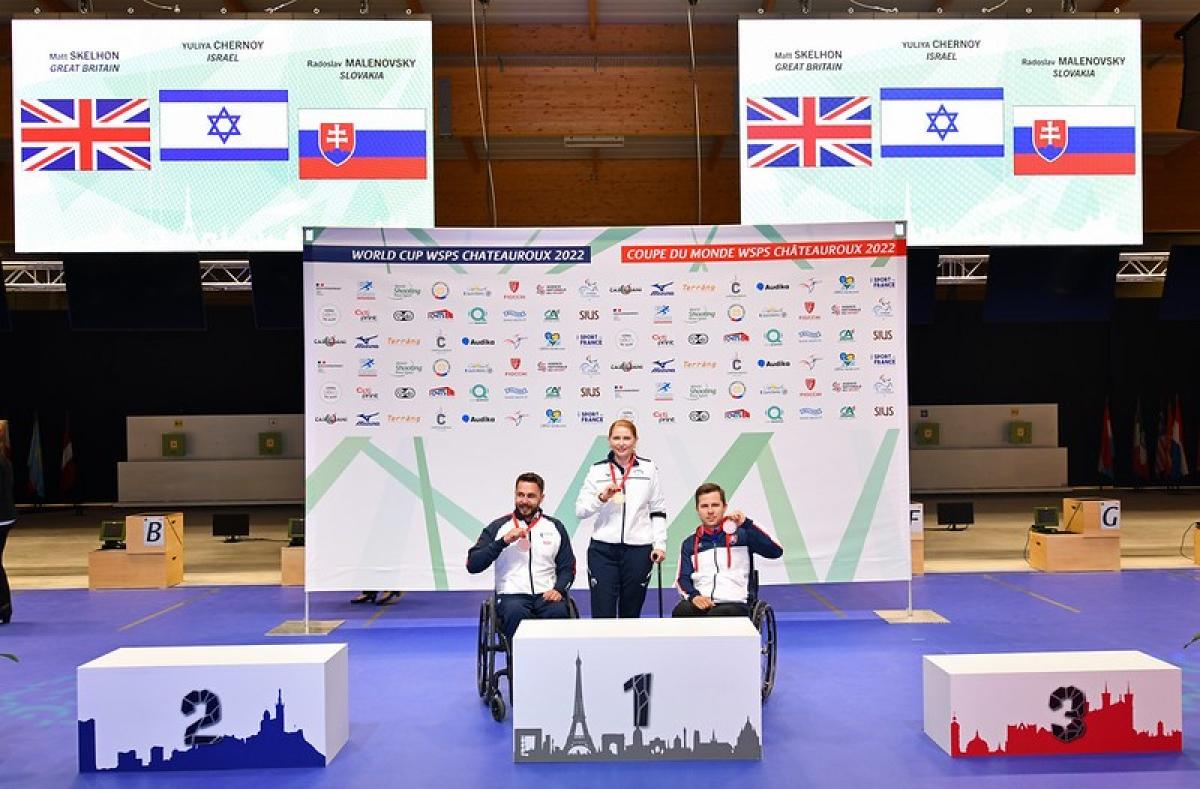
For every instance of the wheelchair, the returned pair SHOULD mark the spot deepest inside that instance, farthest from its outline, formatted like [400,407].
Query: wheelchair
[490,644]
[762,615]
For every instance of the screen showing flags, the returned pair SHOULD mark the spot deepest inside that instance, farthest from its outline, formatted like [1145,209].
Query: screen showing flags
[1074,140]
[363,144]
[223,125]
[942,122]
[85,134]
[809,131]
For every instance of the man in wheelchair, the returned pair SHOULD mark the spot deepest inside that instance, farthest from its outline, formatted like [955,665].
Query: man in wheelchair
[535,565]
[716,561]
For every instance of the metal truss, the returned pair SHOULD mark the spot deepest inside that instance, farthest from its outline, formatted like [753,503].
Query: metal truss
[973,269]
[46,276]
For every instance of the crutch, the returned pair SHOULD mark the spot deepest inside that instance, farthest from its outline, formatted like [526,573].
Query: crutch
[658,568]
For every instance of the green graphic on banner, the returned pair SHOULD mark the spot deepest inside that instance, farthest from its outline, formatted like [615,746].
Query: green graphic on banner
[566,506]
[436,558]
[849,553]
[771,233]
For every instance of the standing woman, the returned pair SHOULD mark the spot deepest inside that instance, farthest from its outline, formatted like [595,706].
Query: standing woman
[8,516]
[630,531]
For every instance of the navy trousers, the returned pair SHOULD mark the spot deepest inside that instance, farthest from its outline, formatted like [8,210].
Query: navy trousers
[619,576]
[514,608]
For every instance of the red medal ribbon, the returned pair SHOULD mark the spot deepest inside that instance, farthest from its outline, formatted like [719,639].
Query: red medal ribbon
[517,523]
[625,476]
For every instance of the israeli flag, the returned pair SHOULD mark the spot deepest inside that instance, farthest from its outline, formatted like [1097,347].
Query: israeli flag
[223,125]
[942,122]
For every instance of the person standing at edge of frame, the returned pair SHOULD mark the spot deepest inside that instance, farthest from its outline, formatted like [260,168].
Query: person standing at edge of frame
[8,517]
[629,535]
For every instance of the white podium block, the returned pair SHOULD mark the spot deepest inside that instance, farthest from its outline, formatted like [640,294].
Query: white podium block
[204,708]
[609,690]
[1053,703]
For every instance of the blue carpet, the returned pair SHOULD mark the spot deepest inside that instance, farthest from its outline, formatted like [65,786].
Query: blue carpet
[846,709]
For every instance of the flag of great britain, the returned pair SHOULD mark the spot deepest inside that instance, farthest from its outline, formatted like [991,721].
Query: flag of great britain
[85,134]
[809,131]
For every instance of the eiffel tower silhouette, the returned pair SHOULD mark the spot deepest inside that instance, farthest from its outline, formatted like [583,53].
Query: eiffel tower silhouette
[579,741]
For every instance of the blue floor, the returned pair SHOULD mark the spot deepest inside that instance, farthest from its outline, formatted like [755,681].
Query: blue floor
[846,711]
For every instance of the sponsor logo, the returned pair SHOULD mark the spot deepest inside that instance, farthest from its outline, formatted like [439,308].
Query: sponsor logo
[472,419]
[703,287]
[698,339]
[809,363]
[737,414]
[662,289]
[809,285]
[627,366]
[553,392]
[441,421]
[882,309]
[407,342]
[883,283]
[847,412]
[735,366]
[325,367]
[515,315]
[409,419]
[550,289]
[591,417]
[366,393]
[549,367]
[882,335]
[550,315]
[589,391]
[772,287]
[662,314]
[331,393]
[589,289]
[627,339]
[477,292]
[366,316]
[516,393]
[774,414]
[774,389]
[773,337]
[845,309]
[440,315]
[701,365]
[478,315]
[809,336]
[810,388]
[620,313]
[625,290]
[589,340]
[768,364]
[662,340]
[554,418]
[441,368]
[810,413]
[847,361]
[441,391]
[329,315]
[735,289]
[883,359]
[736,313]
[772,313]
[737,337]
[590,366]
[402,316]
[810,312]
[329,341]
[737,390]
[479,393]
[515,341]
[439,290]
[628,413]
[664,417]
[405,291]
[846,335]
[664,391]
[885,410]
[514,290]
[885,385]
[700,314]
[367,420]
[662,366]
[621,391]
[366,290]
[698,416]
[478,342]
[553,341]
[589,315]
[329,419]
[366,342]
[847,387]
[323,287]
[516,418]
[366,368]
[478,368]
[846,284]
[440,343]
[701,391]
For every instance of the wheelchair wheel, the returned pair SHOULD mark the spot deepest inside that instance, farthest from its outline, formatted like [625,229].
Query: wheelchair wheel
[572,608]
[483,638]
[497,706]
[763,618]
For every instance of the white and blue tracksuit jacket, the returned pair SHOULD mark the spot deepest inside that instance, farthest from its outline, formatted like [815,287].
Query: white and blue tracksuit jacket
[639,520]
[537,564]
[717,564]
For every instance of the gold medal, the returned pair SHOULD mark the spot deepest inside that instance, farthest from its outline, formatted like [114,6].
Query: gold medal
[619,498]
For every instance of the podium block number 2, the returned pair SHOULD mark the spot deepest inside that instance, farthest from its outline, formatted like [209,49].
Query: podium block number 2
[640,685]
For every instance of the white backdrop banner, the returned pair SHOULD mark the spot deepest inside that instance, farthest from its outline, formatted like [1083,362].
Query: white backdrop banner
[440,364]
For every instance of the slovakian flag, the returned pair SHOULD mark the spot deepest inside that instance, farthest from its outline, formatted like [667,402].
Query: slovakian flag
[223,125]
[808,131]
[1162,447]
[368,144]
[67,475]
[1074,140]
[1105,467]
[1141,456]
[37,476]
[920,123]
[1179,464]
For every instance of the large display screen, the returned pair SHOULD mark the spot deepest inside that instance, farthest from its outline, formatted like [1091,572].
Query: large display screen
[976,131]
[217,135]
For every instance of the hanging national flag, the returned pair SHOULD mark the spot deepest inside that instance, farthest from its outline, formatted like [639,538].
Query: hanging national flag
[1162,448]
[5,441]
[1179,464]
[85,134]
[1074,140]
[67,472]
[942,123]
[1106,444]
[1141,457]
[223,125]
[362,144]
[37,476]
[808,131]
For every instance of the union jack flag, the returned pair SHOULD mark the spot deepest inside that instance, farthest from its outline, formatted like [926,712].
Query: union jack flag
[85,134]
[809,131]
